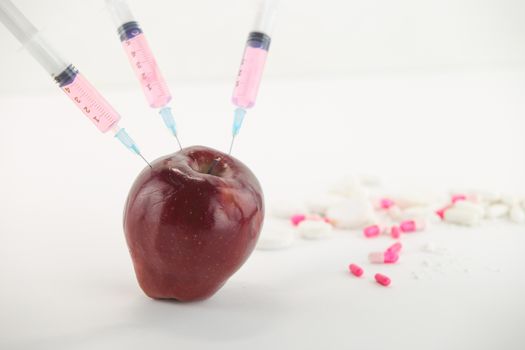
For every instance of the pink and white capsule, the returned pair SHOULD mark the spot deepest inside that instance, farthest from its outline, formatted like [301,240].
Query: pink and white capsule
[386,257]
[409,226]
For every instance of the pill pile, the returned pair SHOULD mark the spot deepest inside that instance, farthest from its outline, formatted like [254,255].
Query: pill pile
[363,206]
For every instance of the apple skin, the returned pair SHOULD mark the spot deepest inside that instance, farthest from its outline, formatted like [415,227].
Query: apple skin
[188,231]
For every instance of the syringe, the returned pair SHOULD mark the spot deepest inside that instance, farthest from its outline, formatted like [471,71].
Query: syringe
[76,87]
[252,64]
[143,62]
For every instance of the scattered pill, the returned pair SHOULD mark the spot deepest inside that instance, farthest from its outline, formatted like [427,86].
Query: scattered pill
[470,206]
[409,226]
[497,210]
[414,198]
[372,231]
[517,214]
[462,216]
[351,213]
[314,229]
[386,257]
[394,212]
[386,203]
[382,279]
[487,196]
[458,197]
[328,220]
[276,234]
[395,248]
[510,200]
[441,212]
[395,232]
[355,270]
[297,218]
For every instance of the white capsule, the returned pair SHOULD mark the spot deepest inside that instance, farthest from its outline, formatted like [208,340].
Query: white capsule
[463,216]
[497,210]
[470,206]
[510,200]
[486,196]
[276,234]
[394,212]
[314,229]
[517,214]
[415,199]
[351,213]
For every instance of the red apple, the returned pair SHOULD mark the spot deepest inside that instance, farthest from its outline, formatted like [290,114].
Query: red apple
[191,221]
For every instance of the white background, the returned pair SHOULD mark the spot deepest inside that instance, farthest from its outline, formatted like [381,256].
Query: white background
[425,94]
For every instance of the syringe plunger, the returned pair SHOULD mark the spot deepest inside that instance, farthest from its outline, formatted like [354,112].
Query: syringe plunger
[120,12]
[31,39]
[264,20]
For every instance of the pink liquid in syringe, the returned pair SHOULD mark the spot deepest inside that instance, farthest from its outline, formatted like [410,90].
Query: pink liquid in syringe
[249,77]
[147,71]
[91,103]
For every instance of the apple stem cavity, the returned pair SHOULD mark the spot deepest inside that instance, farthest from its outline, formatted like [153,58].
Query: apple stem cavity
[213,164]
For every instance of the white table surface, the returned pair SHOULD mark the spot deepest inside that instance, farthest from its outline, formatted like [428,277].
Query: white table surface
[67,280]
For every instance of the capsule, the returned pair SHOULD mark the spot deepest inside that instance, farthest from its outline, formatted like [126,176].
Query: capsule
[387,257]
[395,232]
[297,219]
[441,212]
[382,279]
[458,197]
[409,226]
[356,270]
[372,231]
[386,203]
[395,248]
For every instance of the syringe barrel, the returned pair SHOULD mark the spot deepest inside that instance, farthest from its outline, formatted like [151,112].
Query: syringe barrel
[92,104]
[144,65]
[251,70]
[265,18]
[120,12]
[29,37]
